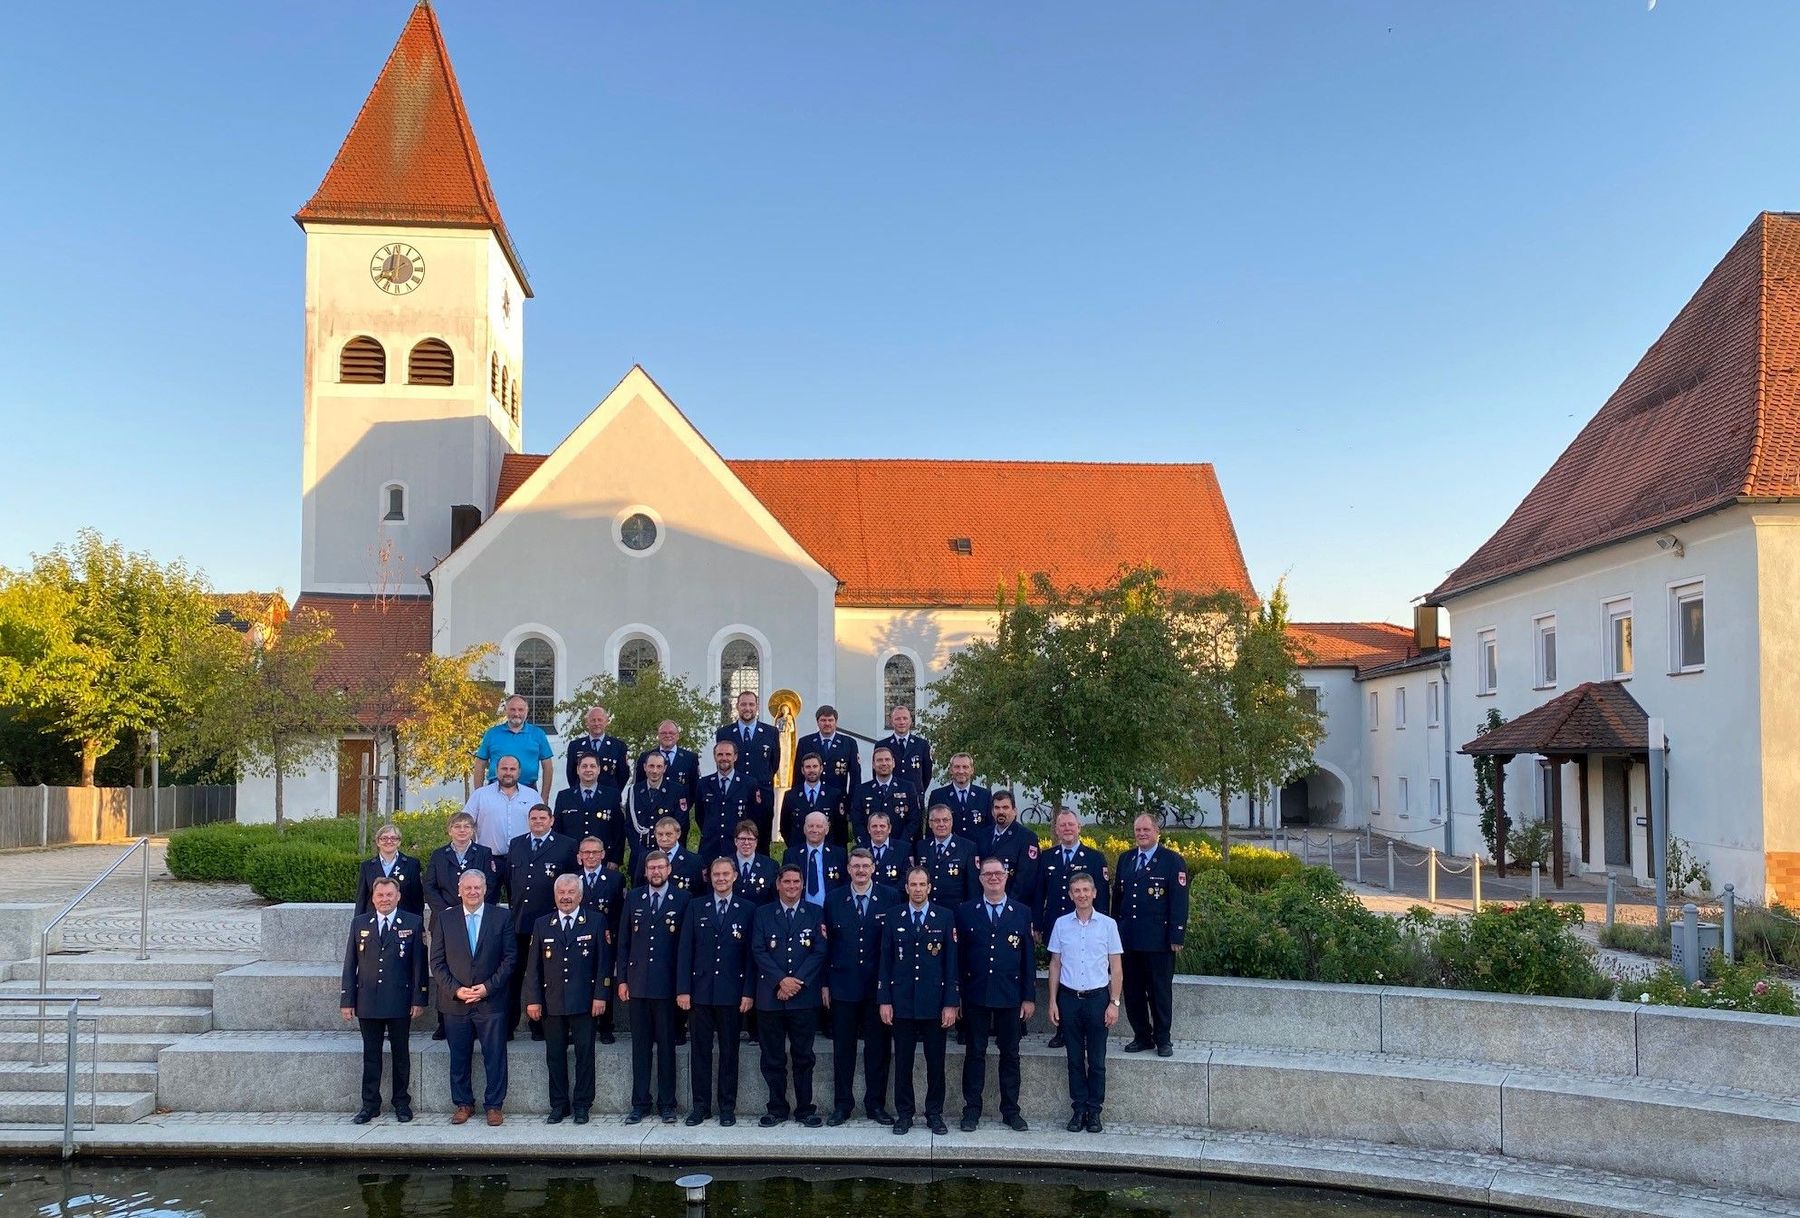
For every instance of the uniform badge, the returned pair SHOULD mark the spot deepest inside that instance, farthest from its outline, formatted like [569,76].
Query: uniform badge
[774,942]
[404,934]
[1031,852]
[681,804]
[1012,940]
[1181,878]
[806,938]
[737,932]
[955,868]
[549,868]
[934,947]
[547,951]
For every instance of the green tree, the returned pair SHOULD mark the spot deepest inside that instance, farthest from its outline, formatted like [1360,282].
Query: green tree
[639,707]
[449,702]
[1484,788]
[99,643]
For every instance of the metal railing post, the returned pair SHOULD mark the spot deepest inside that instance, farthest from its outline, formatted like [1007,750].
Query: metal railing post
[1475,881]
[144,908]
[68,1146]
[1431,876]
[1390,865]
[1690,943]
[1359,866]
[1368,841]
[1728,923]
[1331,851]
[1537,874]
[1306,849]
[44,831]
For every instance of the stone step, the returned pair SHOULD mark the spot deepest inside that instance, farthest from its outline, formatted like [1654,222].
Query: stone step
[125,966]
[176,1020]
[46,1107]
[111,1076]
[115,994]
[113,1046]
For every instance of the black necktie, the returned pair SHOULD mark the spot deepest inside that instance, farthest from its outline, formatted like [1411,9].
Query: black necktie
[655,903]
[994,914]
[862,907]
[535,843]
[919,919]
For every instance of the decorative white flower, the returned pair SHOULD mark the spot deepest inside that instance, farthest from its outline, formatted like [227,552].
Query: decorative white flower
[1644,997]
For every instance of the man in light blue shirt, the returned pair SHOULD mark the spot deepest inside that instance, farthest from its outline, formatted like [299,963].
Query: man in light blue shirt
[520,740]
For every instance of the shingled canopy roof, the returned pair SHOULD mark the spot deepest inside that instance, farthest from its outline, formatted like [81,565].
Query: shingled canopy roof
[1595,717]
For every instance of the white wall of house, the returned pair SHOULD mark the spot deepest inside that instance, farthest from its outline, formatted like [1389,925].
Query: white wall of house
[1340,797]
[1403,774]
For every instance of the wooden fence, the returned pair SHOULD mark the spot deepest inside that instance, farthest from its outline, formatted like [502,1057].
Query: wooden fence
[60,816]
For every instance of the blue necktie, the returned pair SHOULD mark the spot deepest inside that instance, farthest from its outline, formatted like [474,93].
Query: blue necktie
[818,874]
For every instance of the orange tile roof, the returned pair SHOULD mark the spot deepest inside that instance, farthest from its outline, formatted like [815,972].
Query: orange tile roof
[1596,717]
[411,155]
[378,640]
[1710,416]
[1358,645]
[884,528]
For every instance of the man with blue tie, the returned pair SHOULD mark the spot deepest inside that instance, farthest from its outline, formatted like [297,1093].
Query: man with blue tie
[969,804]
[608,751]
[891,860]
[681,767]
[1150,901]
[854,916]
[903,802]
[473,956]
[919,996]
[755,872]
[838,752]
[789,952]
[813,794]
[1064,857]
[533,861]
[444,870]
[383,988]
[821,864]
[603,896]
[726,797]
[999,991]
[649,943]
[758,756]
[562,988]
[654,797]
[716,985]
[591,808]
[1011,843]
[912,753]
[949,859]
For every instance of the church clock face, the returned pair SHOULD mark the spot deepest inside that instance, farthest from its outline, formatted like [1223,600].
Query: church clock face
[397,269]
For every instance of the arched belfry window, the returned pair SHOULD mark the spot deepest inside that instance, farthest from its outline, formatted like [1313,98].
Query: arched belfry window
[899,684]
[740,669]
[431,363]
[534,679]
[362,362]
[494,374]
[636,657]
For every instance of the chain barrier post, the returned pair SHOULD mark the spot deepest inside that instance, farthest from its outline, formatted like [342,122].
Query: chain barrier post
[1537,873]
[1331,851]
[1728,923]
[1431,875]
[1390,865]
[1612,898]
[1359,866]
[1306,849]
[1475,881]
[1690,943]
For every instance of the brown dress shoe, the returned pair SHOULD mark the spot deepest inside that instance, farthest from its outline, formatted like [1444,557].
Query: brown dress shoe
[494,1117]
[461,1115]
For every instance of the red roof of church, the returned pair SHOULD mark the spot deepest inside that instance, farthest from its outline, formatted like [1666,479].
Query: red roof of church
[1709,417]
[411,156]
[1358,645]
[377,637]
[886,529]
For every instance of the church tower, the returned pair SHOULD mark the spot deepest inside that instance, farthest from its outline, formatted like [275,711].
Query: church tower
[414,334]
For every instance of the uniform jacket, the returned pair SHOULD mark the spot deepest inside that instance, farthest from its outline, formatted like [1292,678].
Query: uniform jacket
[1018,848]
[999,961]
[891,867]
[900,800]
[384,975]
[566,970]
[796,806]
[843,760]
[761,756]
[713,966]
[682,771]
[599,813]
[407,870]
[918,964]
[650,805]
[491,964]
[443,873]
[685,869]
[1150,904]
[609,750]
[836,866]
[973,811]
[952,868]
[648,945]
[786,946]
[912,761]
[605,899]
[1050,886]
[756,883]
[531,879]
[720,805]
[853,942]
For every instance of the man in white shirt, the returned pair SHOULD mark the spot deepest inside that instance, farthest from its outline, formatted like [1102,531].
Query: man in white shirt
[502,808]
[1086,977]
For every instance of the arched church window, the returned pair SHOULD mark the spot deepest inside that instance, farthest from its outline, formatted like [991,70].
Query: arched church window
[636,657]
[393,502]
[518,387]
[899,683]
[534,679]
[740,669]
[363,361]
[431,363]
[494,374]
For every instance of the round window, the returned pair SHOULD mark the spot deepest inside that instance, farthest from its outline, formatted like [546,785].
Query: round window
[638,532]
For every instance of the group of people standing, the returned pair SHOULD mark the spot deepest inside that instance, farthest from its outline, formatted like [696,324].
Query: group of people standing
[893,921]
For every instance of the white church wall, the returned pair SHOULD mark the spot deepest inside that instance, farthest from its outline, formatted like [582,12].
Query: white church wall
[1403,757]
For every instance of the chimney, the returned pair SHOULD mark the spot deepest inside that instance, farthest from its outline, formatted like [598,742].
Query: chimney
[465,518]
[1425,628]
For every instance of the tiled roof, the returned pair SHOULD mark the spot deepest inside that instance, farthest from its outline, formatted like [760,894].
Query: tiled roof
[886,529]
[1358,645]
[378,640]
[1597,717]
[411,155]
[1710,415]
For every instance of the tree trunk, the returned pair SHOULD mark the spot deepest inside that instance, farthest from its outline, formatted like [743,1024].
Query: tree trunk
[1224,825]
[90,757]
[280,821]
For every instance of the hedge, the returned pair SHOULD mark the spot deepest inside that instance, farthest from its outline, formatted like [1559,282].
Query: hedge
[221,852]
[302,871]
[215,852]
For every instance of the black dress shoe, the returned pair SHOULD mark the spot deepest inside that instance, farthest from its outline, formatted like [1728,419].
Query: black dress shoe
[1017,1124]
[696,1115]
[439,1035]
[634,1116]
[903,1125]
[581,1116]
[880,1116]
[402,1113]
[537,1035]
[668,1118]
[727,1119]
[1075,1123]
[769,1120]
[938,1127]
[969,1124]
[555,1118]
[1057,1041]
[606,1038]
[1138,1046]
[1093,1124]
[811,1120]
[838,1116]
[1165,1050]
[364,1116]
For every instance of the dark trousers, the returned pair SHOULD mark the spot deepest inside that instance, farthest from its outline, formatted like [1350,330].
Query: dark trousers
[561,1033]
[1084,1038]
[1149,995]
[1002,1023]
[907,1034]
[851,1022]
[396,1033]
[709,1025]
[515,990]
[652,1026]
[481,1024]
[784,1032]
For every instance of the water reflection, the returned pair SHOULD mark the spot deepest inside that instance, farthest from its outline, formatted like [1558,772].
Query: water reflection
[231,1189]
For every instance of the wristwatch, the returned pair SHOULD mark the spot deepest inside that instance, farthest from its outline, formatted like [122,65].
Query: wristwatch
[1115,1002]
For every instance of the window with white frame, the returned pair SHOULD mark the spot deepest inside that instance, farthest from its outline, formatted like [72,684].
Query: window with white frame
[1437,799]
[740,671]
[1405,802]
[1433,709]
[1543,646]
[636,657]
[1618,638]
[393,502]
[534,679]
[1400,709]
[1487,662]
[1374,710]
[899,684]
[1309,697]
[1374,793]
[1687,627]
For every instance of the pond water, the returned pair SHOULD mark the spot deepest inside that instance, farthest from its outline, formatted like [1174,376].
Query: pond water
[247,1189]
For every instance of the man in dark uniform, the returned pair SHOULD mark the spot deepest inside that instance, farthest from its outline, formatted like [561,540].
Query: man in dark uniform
[759,755]
[948,859]
[1050,897]
[838,752]
[821,864]
[444,869]
[903,802]
[1011,843]
[854,916]
[388,862]
[891,859]
[912,754]
[603,896]
[999,991]
[655,796]
[789,953]
[685,869]
[918,993]
[726,797]
[969,804]
[649,942]
[533,861]
[473,955]
[590,808]
[755,872]
[715,984]
[383,989]
[813,794]
[609,751]
[563,991]
[1150,901]
[681,767]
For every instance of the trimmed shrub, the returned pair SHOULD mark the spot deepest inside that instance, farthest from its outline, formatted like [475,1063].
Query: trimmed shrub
[1747,986]
[1305,926]
[302,871]
[1517,949]
[215,852]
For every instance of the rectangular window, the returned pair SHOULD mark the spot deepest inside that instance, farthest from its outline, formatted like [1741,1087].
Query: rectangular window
[1687,627]
[1437,800]
[1374,794]
[1544,645]
[1405,801]
[1618,639]
[1432,710]
[1487,663]
[1400,709]
[1309,697]
[1374,710]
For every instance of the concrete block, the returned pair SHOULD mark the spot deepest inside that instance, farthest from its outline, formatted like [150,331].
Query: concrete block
[1719,1049]
[21,929]
[311,932]
[278,996]
[1553,1033]
[1278,1014]
[261,1072]
[1317,1095]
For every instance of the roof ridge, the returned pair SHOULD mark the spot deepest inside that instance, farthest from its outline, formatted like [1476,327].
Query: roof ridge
[1759,434]
[980,461]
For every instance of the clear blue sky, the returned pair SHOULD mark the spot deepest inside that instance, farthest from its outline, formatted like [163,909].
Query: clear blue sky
[1377,262]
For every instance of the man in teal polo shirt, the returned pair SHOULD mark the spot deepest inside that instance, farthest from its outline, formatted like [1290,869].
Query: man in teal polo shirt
[515,738]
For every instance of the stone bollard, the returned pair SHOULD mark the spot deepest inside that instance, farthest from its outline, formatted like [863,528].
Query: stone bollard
[1390,866]
[1475,880]
[1431,876]
[1728,920]
[1306,849]
[1331,851]
[1537,875]
[1690,943]
[1359,866]
[1612,898]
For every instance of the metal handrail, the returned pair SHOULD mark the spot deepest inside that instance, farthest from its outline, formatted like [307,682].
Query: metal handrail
[142,843]
[73,1016]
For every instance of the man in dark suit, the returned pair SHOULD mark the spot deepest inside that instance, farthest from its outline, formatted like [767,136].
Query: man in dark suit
[383,989]
[388,862]
[533,861]
[1050,899]
[755,872]
[854,916]
[727,797]
[444,869]
[948,859]
[603,896]
[842,759]
[716,984]
[473,955]
[813,794]
[999,991]
[608,750]
[686,871]
[918,992]
[654,797]
[1150,901]
[970,806]
[681,767]
[562,990]
[822,865]
[590,808]
[892,860]
[649,944]
[758,756]
[1014,845]
[789,952]
[912,754]
[903,802]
